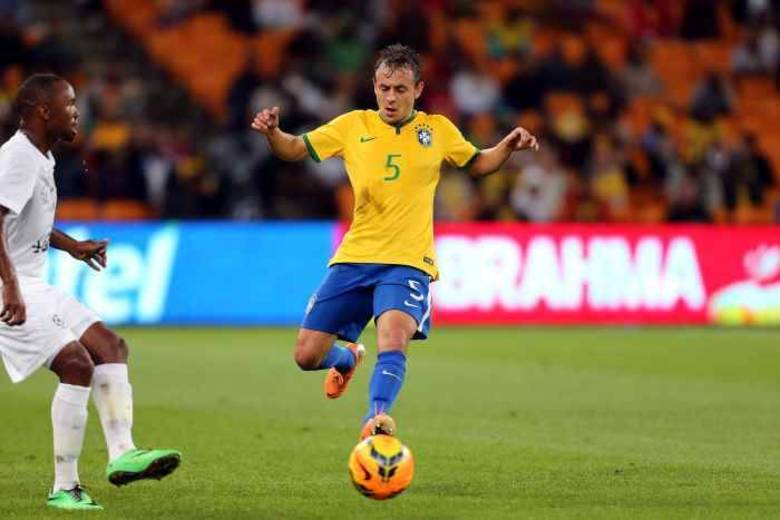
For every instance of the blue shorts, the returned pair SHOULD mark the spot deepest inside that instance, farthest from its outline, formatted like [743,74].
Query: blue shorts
[352,294]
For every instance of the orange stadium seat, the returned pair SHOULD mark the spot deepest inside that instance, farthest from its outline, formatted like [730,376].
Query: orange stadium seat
[137,17]
[471,37]
[270,46]
[77,209]
[712,55]
[126,210]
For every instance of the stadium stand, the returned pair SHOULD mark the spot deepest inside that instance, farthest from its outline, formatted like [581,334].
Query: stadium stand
[649,110]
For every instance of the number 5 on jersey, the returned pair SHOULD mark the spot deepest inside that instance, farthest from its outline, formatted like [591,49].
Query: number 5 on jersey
[393,169]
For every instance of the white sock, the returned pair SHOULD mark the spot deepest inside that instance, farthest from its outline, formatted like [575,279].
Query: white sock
[69,421]
[113,398]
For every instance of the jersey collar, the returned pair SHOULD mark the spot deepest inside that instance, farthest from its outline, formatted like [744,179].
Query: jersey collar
[400,124]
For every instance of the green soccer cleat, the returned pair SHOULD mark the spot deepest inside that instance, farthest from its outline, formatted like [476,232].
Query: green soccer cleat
[142,464]
[75,499]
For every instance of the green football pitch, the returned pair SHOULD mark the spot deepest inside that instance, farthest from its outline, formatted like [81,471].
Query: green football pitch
[503,422]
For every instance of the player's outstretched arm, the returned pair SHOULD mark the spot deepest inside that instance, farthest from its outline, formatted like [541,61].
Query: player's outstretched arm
[13,311]
[491,160]
[92,252]
[285,146]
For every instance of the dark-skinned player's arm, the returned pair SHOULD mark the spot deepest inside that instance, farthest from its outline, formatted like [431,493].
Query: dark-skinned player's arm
[91,252]
[490,160]
[285,146]
[13,311]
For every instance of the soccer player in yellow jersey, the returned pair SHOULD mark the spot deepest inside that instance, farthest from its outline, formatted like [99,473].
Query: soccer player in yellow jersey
[386,262]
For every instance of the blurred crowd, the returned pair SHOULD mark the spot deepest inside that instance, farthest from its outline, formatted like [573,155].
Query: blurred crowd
[487,65]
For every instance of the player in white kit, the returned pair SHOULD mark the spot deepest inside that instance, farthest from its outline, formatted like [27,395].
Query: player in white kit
[40,325]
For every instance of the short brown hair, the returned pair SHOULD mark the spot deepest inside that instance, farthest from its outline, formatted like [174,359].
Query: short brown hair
[398,56]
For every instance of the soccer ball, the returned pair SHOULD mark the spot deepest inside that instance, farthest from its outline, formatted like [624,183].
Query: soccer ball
[381,467]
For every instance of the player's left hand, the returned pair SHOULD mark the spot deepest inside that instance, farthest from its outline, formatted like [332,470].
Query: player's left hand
[92,252]
[521,139]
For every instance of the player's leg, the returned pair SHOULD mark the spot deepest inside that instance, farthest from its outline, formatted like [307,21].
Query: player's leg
[394,331]
[340,308]
[74,368]
[112,393]
[317,350]
[403,306]
[113,398]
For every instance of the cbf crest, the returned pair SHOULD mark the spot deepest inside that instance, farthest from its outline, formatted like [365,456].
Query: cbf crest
[424,135]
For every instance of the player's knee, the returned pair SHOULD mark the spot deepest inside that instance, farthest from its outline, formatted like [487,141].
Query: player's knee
[306,359]
[307,356]
[111,349]
[392,339]
[77,367]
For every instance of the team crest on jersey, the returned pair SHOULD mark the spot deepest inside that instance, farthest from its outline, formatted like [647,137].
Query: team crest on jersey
[424,135]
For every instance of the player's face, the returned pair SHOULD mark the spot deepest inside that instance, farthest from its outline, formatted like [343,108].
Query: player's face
[63,114]
[396,92]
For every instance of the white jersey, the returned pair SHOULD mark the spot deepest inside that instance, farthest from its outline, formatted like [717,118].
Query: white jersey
[54,319]
[27,189]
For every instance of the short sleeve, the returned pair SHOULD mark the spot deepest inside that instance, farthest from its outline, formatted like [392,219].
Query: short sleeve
[328,140]
[457,150]
[17,181]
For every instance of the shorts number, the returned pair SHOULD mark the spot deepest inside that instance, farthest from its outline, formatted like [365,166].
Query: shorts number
[416,286]
[390,166]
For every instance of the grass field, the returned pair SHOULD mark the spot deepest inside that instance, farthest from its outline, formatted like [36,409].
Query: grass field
[504,423]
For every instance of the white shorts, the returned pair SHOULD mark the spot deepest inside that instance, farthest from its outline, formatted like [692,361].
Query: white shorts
[54,319]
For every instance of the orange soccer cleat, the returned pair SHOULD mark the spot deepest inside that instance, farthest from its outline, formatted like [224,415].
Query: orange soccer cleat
[336,382]
[380,424]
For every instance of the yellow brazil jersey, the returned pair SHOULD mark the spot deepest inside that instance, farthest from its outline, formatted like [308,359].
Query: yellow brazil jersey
[394,170]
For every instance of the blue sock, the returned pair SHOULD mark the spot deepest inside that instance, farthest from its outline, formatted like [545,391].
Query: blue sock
[388,378]
[338,357]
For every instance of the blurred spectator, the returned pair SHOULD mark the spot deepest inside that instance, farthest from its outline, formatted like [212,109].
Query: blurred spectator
[687,206]
[278,14]
[540,189]
[570,130]
[711,98]
[525,89]
[749,176]
[608,178]
[769,46]
[660,150]
[715,167]
[746,58]
[639,78]
[747,11]
[240,94]
[473,91]
[510,36]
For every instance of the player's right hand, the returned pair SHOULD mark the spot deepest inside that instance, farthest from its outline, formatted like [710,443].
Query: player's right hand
[14,311]
[266,121]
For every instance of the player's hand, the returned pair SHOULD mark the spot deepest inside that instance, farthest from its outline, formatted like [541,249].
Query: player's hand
[521,139]
[266,121]
[13,312]
[92,252]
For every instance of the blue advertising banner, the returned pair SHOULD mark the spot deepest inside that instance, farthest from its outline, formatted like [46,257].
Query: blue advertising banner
[198,273]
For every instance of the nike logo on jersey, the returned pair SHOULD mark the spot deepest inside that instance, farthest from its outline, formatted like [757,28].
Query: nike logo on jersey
[386,373]
[365,139]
